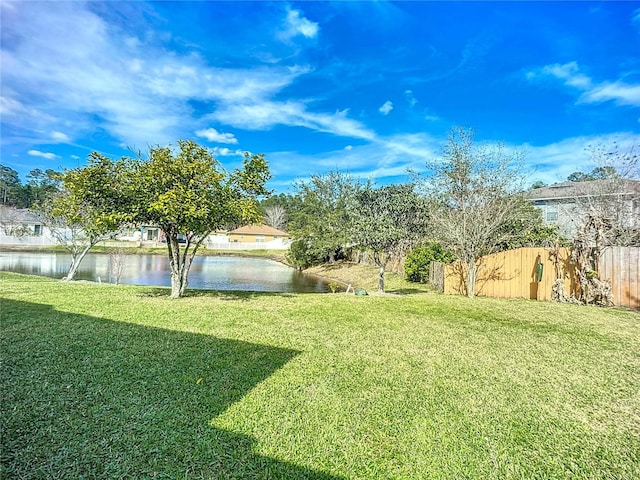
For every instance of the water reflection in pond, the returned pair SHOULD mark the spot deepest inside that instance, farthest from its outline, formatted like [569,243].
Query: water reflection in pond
[211,273]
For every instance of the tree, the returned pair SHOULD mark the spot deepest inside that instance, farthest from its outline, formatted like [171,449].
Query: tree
[418,263]
[473,194]
[42,184]
[10,186]
[527,229]
[319,220]
[186,192]
[389,221]
[601,172]
[89,208]
[276,217]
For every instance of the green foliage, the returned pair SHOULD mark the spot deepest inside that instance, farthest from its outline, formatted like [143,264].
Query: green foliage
[9,186]
[90,205]
[187,192]
[320,219]
[418,261]
[388,221]
[40,186]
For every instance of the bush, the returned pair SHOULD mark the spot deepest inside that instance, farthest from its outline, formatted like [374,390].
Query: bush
[416,267]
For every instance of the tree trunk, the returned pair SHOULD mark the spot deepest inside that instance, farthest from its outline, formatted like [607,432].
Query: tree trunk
[381,278]
[173,248]
[180,263]
[471,278]
[76,259]
[382,264]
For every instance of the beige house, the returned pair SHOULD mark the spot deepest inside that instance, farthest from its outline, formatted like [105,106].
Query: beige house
[257,234]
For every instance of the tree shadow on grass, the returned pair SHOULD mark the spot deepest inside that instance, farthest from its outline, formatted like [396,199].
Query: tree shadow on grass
[84,397]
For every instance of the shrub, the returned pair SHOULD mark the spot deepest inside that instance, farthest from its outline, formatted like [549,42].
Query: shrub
[416,267]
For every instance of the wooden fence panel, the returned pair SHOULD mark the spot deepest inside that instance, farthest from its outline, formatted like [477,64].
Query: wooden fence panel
[621,266]
[512,274]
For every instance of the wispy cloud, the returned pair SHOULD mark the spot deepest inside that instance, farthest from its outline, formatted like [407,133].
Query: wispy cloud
[410,98]
[38,153]
[554,162]
[213,135]
[136,86]
[386,107]
[267,114]
[60,137]
[592,92]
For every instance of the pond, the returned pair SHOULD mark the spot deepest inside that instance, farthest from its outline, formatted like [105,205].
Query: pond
[207,272]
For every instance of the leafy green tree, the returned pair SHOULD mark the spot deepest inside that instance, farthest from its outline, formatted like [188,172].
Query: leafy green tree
[389,221]
[10,187]
[418,262]
[319,219]
[186,192]
[473,193]
[42,184]
[89,207]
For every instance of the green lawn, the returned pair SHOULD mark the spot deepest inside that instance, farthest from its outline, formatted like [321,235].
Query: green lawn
[99,381]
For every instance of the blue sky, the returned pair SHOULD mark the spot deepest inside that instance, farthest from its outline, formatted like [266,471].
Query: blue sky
[371,88]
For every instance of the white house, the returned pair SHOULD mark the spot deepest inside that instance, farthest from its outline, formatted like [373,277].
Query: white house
[18,226]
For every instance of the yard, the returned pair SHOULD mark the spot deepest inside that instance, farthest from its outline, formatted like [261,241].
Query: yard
[100,381]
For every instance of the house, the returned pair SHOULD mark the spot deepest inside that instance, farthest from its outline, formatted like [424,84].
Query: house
[258,234]
[566,204]
[18,226]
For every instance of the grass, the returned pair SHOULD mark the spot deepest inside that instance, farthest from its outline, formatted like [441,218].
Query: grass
[100,381]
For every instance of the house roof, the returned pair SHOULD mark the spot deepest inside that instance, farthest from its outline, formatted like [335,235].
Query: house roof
[259,230]
[565,190]
[18,215]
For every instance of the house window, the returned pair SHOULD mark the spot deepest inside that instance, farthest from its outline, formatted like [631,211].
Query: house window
[552,216]
[37,230]
[259,238]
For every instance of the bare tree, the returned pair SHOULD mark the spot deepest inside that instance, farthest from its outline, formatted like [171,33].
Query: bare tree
[276,217]
[473,189]
[613,201]
[607,210]
[117,262]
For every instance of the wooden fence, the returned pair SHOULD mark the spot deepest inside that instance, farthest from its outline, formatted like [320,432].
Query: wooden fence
[512,274]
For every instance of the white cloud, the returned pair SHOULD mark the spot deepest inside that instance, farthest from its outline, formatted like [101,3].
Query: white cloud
[266,114]
[348,147]
[386,107]
[60,137]
[137,88]
[295,24]
[38,153]
[213,135]
[620,92]
[226,152]
[75,157]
